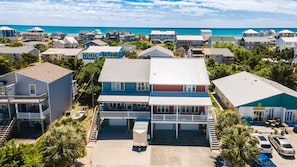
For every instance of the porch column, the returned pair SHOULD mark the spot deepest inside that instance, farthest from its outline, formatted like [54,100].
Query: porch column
[16,109]
[42,126]
[284,115]
[152,124]
[40,111]
[9,110]
[207,134]
[176,125]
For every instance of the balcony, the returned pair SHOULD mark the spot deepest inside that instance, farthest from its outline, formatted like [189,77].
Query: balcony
[125,114]
[24,99]
[33,115]
[180,118]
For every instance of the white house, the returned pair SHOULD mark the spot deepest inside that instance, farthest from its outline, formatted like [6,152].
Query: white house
[67,42]
[162,36]
[286,42]
[156,52]
[205,34]
[187,41]
[250,33]
[59,53]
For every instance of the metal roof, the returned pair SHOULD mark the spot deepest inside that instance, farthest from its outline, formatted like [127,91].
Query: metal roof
[5,28]
[288,39]
[218,51]
[154,52]
[257,39]
[125,70]
[155,32]
[70,39]
[178,72]
[250,31]
[36,29]
[98,42]
[98,49]
[181,101]
[16,50]
[189,38]
[285,31]
[64,51]
[45,72]
[120,98]
[243,88]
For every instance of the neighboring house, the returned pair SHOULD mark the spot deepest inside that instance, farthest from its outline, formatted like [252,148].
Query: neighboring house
[61,53]
[129,48]
[162,36]
[286,42]
[7,32]
[285,33]
[82,34]
[16,52]
[250,33]
[96,42]
[171,94]
[256,97]
[67,42]
[156,52]
[95,52]
[251,43]
[34,34]
[38,94]
[205,34]
[57,35]
[34,43]
[120,35]
[267,33]
[187,41]
[220,55]
[195,53]
[213,40]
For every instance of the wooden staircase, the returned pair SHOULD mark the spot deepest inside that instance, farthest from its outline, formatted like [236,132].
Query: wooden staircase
[93,135]
[213,140]
[5,129]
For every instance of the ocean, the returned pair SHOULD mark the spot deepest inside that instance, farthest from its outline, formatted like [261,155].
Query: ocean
[143,30]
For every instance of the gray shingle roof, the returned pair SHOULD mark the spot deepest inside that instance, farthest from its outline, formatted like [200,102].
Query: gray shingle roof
[16,50]
[45,72]
[153,50]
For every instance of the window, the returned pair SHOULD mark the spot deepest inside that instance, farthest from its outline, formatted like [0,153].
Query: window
[32,89]
[143,86]
[117,86]
[163,109]
[2,90]
[189,88]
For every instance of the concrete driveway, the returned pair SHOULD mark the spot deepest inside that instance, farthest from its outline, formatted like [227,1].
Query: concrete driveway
[110,151]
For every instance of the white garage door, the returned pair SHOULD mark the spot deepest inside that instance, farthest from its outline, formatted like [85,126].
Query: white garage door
[164,126]
[117,122]
[189,127]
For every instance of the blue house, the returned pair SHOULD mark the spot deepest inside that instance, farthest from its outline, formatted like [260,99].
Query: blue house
[37,94]
[170,94]
[95,52]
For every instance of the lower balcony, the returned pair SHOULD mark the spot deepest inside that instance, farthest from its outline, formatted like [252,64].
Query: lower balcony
[33,115]
[179,118]
[125,114]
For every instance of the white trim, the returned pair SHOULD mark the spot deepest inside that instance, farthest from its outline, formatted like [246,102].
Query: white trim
[114,86]
[34,86]
[49,103]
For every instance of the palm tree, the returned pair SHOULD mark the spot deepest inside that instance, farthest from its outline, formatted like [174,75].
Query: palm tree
[65,141]
[226,119]
[238,146]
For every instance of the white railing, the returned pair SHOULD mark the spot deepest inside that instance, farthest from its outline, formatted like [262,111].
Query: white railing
[31,115]
[179,118]
[124,114]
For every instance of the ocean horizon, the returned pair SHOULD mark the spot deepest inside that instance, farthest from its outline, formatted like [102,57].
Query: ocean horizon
[74,30]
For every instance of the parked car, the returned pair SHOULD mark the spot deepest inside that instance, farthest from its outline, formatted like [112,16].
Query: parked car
[80,115]
[262,161]
[281,145]
[264,144]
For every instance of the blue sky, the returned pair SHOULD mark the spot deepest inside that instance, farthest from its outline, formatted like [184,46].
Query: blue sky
[151,13]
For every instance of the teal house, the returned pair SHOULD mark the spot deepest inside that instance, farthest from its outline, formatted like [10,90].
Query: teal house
[256,97]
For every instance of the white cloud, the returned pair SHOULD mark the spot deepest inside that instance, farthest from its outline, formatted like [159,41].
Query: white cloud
[185,13]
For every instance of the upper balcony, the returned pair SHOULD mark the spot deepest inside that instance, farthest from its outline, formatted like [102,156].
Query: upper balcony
[125,114]
[24,99]
[33,115]
[179,118]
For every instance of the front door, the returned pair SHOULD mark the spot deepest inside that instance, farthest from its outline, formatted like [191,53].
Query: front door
[258,116]
[289,116]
